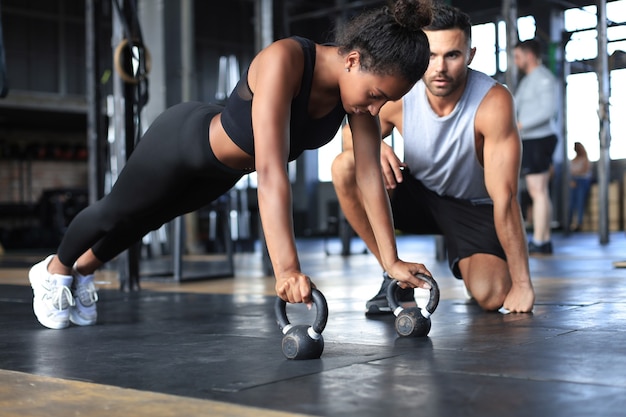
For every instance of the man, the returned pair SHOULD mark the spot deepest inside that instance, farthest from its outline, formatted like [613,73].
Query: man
[536,113]
[460,175]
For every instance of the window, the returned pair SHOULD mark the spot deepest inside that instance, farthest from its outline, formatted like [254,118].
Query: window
[582,89]
[484,40]
[526,28]
[325,157]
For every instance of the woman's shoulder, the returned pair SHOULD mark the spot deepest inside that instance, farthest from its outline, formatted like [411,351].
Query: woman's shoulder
[280,62]
[286,53]
[289,50]
[292,43]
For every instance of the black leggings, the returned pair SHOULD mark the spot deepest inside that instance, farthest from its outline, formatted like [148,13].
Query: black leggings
[172,171]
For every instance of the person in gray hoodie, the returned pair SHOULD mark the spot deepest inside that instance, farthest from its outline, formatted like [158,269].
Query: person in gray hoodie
[536,103]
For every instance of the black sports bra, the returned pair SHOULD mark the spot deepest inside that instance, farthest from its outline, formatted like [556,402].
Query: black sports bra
[305,132]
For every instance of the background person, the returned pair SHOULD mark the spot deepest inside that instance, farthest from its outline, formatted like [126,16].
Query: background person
[580,182]
[536,102]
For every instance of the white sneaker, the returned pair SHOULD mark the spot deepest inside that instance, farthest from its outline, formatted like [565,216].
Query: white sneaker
[51,295]
[83,312]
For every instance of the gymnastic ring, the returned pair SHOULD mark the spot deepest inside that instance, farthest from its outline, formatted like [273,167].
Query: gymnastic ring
[117,62]
[413,321]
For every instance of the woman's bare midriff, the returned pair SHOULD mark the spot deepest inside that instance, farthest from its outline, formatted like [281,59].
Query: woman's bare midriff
[225,150]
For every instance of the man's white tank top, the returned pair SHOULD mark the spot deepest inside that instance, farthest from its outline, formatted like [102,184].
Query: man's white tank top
[440,151]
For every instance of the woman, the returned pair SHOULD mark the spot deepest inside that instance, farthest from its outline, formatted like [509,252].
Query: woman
[580,182]
[194,152]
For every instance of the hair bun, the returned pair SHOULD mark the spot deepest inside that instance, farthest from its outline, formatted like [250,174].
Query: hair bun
[413,14]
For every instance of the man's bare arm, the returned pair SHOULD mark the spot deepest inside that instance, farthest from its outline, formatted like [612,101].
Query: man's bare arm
[495,122]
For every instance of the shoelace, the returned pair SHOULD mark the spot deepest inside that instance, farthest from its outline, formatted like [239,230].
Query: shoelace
[87,293]
[62,298]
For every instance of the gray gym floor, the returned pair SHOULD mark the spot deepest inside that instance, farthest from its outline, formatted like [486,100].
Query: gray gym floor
[213,347]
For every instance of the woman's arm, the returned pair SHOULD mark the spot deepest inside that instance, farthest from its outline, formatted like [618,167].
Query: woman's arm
[274,78]
[390,117]
[369,179]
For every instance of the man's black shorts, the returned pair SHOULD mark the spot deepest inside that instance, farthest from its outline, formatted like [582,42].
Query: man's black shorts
[537,154]
[468,228]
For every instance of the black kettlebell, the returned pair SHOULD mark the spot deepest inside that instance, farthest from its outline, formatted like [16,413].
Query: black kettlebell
[303,341]
[413,321]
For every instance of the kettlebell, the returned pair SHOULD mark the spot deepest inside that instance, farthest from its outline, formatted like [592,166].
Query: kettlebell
[413,321]
[303,341]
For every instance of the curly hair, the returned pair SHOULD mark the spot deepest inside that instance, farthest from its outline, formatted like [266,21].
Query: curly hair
[390,40]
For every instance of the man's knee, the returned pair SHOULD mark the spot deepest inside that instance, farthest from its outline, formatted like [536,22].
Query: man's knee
[490,300]
[342,170]
[487,279]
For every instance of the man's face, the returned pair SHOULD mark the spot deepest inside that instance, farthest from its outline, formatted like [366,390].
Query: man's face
[521,59]
[450,55]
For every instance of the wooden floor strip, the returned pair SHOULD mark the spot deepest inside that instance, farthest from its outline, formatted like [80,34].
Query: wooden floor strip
[38,396]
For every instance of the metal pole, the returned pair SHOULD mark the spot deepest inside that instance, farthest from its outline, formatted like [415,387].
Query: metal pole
[118,148]
[559,66]
[124,126]
[565,183]
[264,23]
[187,64]
[187,49]
[604,168]
[498,43]
[94,100]
[4,84]
[509,11]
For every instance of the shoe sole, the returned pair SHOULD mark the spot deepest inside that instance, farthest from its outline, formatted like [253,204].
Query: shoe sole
[51,324]
[79,321]
[375,311]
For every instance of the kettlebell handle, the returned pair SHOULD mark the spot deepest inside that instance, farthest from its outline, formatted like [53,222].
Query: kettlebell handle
[433,301]
[318,326]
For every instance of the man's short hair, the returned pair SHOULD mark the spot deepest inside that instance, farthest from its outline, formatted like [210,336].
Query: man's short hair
[449,17]
[530,45]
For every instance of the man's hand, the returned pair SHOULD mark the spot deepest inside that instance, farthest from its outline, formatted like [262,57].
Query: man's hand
[405,274]
[520,299]
[391,166]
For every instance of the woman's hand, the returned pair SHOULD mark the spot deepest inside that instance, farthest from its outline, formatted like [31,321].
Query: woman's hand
[405,273]
[294,287]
